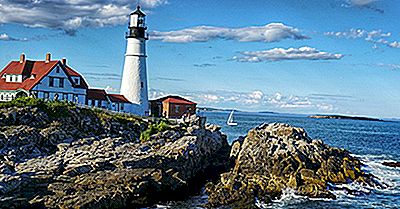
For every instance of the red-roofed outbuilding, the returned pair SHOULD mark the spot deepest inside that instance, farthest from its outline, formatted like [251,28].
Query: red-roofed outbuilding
[172,107]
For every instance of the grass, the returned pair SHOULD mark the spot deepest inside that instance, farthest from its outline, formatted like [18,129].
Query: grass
[53,108]
[60,109]
[153,129]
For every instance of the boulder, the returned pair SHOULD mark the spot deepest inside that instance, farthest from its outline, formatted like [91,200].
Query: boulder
[274,157]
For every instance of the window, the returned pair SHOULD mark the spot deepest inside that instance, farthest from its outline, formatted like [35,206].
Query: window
[56,96]
[122,106]
[142,84]
[51,81]
[65,96]
[93,101]
[46,95]
[61,83]
[76,81]
[177,108]
[58,69]
[2,97]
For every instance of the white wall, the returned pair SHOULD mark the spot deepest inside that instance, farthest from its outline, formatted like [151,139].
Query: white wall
[73,93]
[134,78]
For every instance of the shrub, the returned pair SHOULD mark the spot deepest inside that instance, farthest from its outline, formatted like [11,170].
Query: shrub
[52,108]
[153,129]
[23,102]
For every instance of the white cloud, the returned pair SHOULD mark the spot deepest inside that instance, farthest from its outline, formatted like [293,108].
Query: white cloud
[377,37]
[395,44]
[362,2]
[6,37]
[111,89]
[272,32]
[390,66]
[69,15]
[253,100]
[278,54]
[367,4]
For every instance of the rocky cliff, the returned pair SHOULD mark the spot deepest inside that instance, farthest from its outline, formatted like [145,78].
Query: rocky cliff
[274,157]
[55,155]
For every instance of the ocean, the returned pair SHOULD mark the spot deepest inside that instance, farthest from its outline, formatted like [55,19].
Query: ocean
[372,141]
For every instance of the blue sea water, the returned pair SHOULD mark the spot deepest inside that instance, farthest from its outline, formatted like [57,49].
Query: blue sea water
[372,141]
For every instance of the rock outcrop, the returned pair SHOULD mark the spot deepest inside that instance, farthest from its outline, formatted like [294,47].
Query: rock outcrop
[273,157]
[392,164]
[93,159]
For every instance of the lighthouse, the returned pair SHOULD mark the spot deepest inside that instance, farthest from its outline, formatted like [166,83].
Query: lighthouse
[134,77]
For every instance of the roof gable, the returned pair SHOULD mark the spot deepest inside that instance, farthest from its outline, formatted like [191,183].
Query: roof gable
[40,69]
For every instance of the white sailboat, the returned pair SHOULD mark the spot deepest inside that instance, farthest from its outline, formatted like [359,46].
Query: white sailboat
[230,121]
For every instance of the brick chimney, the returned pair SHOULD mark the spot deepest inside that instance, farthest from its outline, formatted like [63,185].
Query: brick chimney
[22,58]
[64,61]
[48,57]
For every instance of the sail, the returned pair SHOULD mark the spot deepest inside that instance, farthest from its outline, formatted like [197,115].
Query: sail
[230,118]
[230,121]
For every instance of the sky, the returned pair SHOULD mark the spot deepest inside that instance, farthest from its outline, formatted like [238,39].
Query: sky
[292,56]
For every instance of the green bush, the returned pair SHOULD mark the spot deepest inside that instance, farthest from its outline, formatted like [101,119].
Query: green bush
[22,102]
[153,129]
[53,108]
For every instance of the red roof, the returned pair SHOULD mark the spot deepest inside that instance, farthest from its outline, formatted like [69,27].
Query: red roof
[96,94]
[118,98]
[175,100]
[72,72]
[39,69]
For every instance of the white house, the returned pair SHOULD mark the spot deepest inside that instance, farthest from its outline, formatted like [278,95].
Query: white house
[54,80]
[48,79]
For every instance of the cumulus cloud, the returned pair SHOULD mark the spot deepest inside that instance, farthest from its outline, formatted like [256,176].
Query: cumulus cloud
[6,37]
[278,54]
[273,32]
[363,4]
[256,99]
[204,65]
[69,15]
[377,37]
[390,66]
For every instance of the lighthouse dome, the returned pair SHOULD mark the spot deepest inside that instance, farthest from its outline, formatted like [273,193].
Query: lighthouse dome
[138,12]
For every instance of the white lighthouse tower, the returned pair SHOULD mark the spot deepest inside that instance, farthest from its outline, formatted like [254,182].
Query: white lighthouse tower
[134,77]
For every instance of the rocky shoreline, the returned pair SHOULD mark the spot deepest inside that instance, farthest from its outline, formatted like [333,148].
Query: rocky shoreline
[274,157]
[88,158]
[94,159]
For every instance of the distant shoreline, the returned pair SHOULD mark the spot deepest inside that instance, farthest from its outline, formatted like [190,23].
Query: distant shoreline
[341,117]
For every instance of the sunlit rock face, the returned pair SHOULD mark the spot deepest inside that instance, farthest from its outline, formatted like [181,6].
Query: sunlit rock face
[87,158]
[275,157]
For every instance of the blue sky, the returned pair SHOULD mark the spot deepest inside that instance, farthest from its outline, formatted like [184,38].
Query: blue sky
[297,56]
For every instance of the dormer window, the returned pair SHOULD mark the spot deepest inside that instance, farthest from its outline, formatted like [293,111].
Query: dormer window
[58,69]
[76,80]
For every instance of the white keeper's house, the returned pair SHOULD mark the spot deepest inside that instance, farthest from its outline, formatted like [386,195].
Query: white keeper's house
[54,80]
